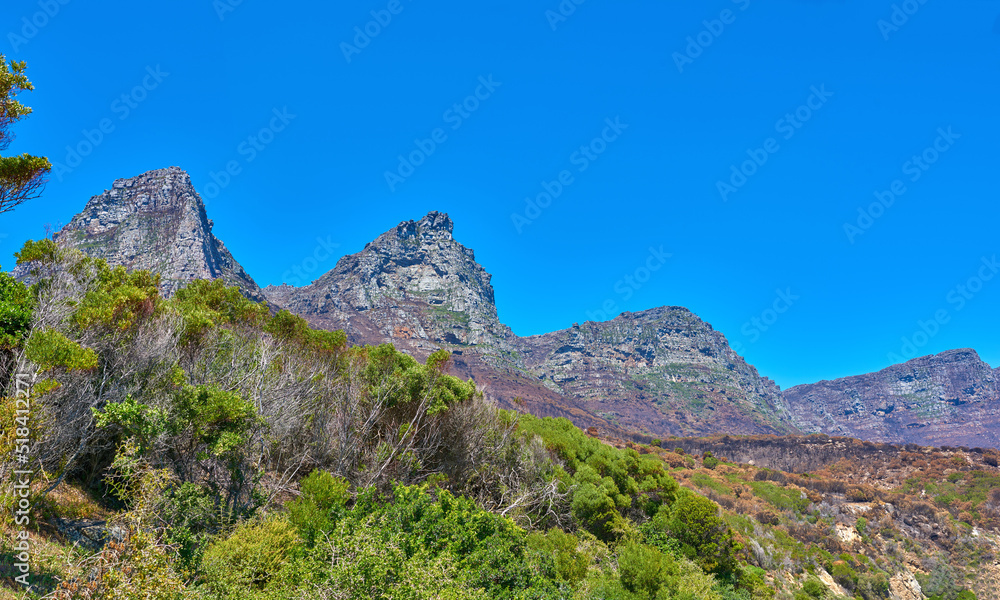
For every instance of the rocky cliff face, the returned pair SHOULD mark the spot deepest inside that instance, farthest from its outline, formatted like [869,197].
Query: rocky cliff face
[156,221]
[950,399]
[658,372]
[414,285]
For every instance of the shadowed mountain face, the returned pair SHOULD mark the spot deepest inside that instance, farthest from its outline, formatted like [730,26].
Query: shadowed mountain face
[156,221]
[949,399]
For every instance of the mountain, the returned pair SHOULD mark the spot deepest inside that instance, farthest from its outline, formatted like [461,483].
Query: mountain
[948,399]
[662,371]
[659,372]
[156,221]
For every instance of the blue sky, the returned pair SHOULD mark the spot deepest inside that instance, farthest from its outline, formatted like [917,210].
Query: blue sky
[839,97]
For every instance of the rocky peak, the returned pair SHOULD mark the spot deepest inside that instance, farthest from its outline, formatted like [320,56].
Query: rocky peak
[930,400]
[434,226]
[414,284]
[660,371]
[156,221]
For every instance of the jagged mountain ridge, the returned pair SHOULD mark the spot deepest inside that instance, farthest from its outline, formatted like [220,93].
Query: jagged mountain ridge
[662,370]
[419,288]
[948,399]
[156,221]
[656,373]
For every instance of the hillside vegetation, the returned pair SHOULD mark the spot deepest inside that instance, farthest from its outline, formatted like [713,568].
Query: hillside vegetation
[204,447]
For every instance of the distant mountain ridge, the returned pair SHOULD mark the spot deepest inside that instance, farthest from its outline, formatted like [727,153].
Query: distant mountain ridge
[654,373]
[948,399]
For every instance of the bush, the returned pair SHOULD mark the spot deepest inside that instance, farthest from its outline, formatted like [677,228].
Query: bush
[245,563]
[15,311]
[814,588]
[703,536]
[568,563]
[844,575]
[323,497]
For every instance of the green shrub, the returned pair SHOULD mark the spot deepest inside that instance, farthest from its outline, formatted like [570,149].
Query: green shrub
[708,461]
[703,536]
[15,311]
[814,588]
[844,575]
[50,349]
[569,564]
[323,497]
[246,562]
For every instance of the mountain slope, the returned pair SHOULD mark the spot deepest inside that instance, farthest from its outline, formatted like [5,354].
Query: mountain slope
[662,371]
[952,398]
[659,372]
[156,221]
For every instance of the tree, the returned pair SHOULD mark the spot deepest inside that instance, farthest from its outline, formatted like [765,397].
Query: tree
[21,177]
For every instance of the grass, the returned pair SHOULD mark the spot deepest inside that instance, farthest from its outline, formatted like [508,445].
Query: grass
[706,482]
[779,497]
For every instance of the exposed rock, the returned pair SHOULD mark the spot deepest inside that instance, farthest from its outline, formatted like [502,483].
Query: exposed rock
[950,399]
[658,372]
[662,371]
[904,586]
[156,221]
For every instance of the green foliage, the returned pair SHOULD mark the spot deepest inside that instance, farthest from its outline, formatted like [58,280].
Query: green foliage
[873,585]
[118,299]
[205,305]
[814,588]
[703,535]
[940,583]
[323,498]
[44,251]
[569,562]
[217,420]
[710,462]
[400,379]
[861,525]
[21,177]
[646,573]
[608,481]
[50,349]
[15,312]
[783,498]
[248,560]
[139,421]
[844,574]
[293,328]
[191,518]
